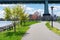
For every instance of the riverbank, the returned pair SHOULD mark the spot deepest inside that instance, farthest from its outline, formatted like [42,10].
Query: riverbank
[6,25]
[20,31]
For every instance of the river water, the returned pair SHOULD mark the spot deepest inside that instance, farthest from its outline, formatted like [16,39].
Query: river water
[5,23]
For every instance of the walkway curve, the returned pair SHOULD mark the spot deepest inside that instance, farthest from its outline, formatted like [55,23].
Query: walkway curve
[40,32]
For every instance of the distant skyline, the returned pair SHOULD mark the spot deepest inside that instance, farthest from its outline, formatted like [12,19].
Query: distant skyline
[31,8]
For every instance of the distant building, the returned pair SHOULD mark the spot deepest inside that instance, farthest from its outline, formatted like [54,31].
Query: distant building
[35,16]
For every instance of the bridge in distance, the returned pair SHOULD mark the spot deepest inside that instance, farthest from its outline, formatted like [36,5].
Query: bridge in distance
[27,1]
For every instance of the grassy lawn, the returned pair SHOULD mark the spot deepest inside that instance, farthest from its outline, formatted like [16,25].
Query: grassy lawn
[20,31]
[55,30]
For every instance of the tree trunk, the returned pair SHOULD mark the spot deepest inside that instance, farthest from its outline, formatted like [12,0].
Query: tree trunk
[14,27]
[21,22]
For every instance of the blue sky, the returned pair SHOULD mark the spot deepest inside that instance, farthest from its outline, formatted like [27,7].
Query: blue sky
[31,8]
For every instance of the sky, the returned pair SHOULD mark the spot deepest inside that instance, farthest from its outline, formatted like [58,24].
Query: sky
[31,8]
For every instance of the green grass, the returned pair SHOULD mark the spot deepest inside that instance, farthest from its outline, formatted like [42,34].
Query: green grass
[55,30]
[20,31]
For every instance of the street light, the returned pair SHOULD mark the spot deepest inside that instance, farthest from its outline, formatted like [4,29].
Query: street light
[52,16]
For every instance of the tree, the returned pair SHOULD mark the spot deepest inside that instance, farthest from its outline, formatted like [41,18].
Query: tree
[24,18]
[8,13]
[16,13]
[13,17]
[19,13]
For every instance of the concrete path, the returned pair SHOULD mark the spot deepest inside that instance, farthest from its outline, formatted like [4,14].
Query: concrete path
[40,32]
[56,24]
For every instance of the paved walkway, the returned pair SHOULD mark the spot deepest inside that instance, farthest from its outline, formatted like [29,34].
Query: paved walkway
[56,24]
[40,32]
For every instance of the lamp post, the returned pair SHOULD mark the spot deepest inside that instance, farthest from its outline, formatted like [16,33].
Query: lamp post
[52,16]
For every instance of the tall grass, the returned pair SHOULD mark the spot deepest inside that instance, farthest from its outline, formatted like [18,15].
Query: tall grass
[55,30]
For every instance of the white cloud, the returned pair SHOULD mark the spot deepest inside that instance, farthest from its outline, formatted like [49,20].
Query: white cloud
[56,8]
[29,8]
[7,5]
[57,13]
[24,5]
[40,10]
[2,13]
[32,10]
